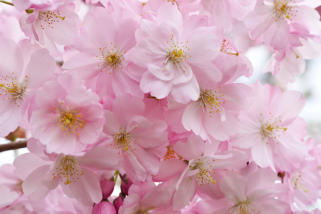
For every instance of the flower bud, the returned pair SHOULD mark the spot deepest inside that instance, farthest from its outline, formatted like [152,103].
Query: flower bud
[104,207]
[125,184]
[107,187]
[118,202]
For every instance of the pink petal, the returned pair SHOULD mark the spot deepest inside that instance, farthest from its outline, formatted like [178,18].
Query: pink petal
[184,194]
[262,155]
[100,158]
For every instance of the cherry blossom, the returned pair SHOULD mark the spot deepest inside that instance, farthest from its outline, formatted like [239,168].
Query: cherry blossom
[148,107]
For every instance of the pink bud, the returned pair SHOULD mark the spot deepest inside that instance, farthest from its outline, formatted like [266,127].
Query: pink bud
[118,202]
[319,10]
[107,187]
[125,184]
[104,207]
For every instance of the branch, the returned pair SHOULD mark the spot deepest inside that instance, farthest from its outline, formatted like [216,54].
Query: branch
[13,146]
[6,2]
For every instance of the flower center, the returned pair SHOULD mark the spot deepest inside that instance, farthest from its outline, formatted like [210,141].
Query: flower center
[172,1]
[112,58]
[49,18]
[122,140]
[211,100]
[271,130]
[176,55]
[177,51]
[70,120]
[243,207]
[296,180]
[228,48]
[142,211]
[282,9]
[171,154]
[205,170]
[11,88]
[68,170]
[18,187]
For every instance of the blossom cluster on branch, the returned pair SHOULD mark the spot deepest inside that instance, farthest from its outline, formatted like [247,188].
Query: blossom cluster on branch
[146,93]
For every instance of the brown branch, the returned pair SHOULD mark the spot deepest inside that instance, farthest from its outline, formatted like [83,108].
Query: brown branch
[13,146]
[8,3]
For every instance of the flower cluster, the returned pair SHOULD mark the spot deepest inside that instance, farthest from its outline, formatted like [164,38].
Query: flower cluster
[146,93]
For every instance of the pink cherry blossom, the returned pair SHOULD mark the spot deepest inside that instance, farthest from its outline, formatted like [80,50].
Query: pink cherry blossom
[67,117]
[139,153]
[271,129]
[172,51]
[146,107]
[302,182]
[103,53]
[50,23]
[21,74]
[254,192]
[76,175]
[10,185]
[286,65]
[196,169]
[272,21]
[214,114]
[141,200]
[223,13]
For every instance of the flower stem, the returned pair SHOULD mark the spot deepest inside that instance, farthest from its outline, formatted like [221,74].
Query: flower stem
[13,146]
[6,2]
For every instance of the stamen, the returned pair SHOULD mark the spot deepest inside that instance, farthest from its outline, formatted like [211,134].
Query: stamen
[142,211]
[172,155]
[122,140]
[243,207]
[271,129]
[296,182]
[177,51]
[282,9]
[70,120]
[205,170]
[18,187]
[68,170]
[228,48]
[173,2]
[48,19]
[204,177]
[111,57]
[14,90]
[211,100]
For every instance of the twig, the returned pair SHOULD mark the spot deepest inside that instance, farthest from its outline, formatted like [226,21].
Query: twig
[13,146]
[6,2]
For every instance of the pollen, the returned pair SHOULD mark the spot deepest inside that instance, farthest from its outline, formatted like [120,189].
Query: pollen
[68,170]
[205,170]
[296,180]
[173,2]
[70,121]
[271,129]
[48,19]
[111,57]
[176,55]
[122,140]
[12,89]
[283,10]
[228,48]
[243,207]
[211,100]
[176,52]
[171,154]
[142,211]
